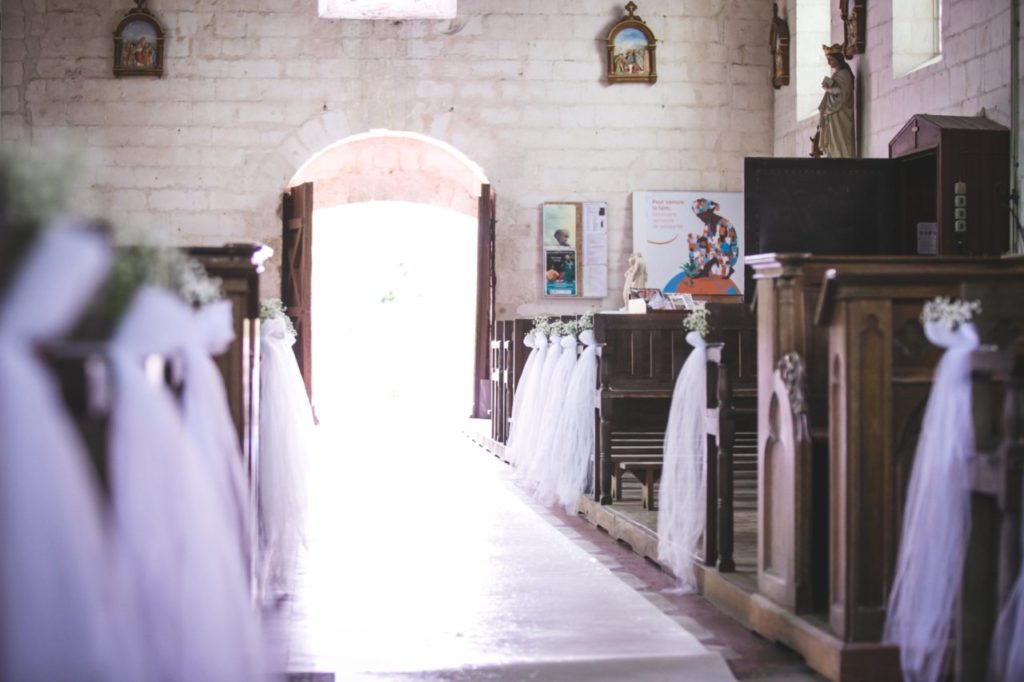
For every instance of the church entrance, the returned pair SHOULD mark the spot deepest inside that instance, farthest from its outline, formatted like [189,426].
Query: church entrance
[402,257]
[394,301]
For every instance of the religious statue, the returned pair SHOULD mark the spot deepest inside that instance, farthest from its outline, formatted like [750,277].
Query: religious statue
[636,276]
[836,137]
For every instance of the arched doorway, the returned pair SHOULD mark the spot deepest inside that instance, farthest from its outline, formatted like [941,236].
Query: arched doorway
[371,168]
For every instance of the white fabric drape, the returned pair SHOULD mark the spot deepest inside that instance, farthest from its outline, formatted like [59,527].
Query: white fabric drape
[60,618]
[1007,659]
[517,432]
[179,545]
[576,426]
[551,446]
[683,487]
[208,417]
[936,519]
[286,441]
[527,470]
[534,401]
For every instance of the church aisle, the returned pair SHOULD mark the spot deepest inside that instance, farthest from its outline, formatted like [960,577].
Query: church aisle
[427,563]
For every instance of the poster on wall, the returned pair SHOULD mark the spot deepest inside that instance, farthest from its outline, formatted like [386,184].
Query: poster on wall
[692,241]
[574,245]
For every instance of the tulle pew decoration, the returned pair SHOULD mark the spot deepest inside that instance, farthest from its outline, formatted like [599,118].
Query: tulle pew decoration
[526,448]
[522,402]
[550,447]
[576,424]
[59,579]
[936,520]
[683,488]
[179,542]
[286,442]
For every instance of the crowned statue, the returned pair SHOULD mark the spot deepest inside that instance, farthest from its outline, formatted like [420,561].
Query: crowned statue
[836,137]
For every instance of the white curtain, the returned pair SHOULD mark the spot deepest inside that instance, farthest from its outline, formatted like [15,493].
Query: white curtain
[525,448]
[576,426]
[179,545]
[286,442]
[683,488]
[60,614]
[936,519]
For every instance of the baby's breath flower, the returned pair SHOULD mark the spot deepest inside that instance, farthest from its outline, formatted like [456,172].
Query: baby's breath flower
[949,312]
[697,321]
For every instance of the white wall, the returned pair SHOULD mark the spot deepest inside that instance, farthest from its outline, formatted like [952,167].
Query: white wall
[254,87]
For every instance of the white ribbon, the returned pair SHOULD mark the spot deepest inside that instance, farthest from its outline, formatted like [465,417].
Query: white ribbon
[936,519]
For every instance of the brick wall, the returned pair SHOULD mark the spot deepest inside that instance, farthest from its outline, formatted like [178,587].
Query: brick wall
[254,88]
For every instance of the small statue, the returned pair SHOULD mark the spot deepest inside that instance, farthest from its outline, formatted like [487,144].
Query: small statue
[636,276]
[836,137]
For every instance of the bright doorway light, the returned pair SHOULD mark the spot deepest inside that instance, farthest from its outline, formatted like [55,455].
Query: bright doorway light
[394,304]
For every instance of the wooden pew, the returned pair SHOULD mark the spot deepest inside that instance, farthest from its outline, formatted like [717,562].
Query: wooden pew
[640,359]
[834,462]
[499,371]
[994,549]
[731,424]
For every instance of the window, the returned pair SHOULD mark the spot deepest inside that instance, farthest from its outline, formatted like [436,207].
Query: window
[916,35]
[813,29]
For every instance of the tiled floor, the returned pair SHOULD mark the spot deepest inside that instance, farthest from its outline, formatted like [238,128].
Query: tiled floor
[427,562]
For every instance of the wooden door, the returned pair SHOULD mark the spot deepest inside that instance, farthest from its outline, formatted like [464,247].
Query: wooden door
[486,281]
[297,272]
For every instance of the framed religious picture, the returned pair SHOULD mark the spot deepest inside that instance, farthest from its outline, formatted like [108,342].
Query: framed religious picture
[778,40]
[854,26]
[139,44]
[631,50]
[693,242]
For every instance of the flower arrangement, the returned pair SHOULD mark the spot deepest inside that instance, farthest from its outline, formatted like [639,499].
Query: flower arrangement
[273,309]
[949,312]
[541,324]
[697,321]
[585,322]
[570,328]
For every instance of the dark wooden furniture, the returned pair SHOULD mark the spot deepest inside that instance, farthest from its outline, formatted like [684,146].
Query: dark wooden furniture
[874,206]
[641,357]
[936,153]
[994,548]
[500,356]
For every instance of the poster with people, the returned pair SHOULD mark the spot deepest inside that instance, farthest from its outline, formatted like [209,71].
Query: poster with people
[574,249]
[692,241]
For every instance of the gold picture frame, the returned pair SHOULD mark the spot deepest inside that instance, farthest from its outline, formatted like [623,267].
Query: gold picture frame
[631,47]
[139,44]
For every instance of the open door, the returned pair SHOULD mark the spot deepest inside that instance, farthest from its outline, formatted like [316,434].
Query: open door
[297,273]
[486,281]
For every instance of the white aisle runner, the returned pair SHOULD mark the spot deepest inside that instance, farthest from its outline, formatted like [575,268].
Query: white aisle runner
[426,563]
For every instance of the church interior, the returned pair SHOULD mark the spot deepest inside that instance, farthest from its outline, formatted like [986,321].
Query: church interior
[511,340]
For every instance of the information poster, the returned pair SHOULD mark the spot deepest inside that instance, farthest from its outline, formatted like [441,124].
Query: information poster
[574,244]
[692,241]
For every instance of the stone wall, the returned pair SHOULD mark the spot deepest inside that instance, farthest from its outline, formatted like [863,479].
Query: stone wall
[254,88]
[973,74]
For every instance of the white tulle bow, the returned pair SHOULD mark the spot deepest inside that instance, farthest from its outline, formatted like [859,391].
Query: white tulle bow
[681,505]
[936,519]
[58,578]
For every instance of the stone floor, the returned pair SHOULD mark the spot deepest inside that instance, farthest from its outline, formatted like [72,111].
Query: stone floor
[431,564]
